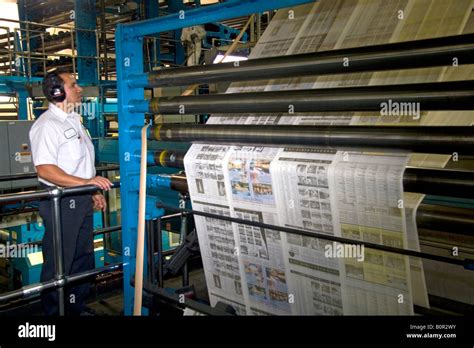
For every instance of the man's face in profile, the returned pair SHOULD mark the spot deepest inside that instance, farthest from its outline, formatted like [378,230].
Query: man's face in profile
[73,90]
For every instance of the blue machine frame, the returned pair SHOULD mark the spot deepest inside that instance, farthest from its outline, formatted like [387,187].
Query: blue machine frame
[18,85]
[86,45]
[129,57]
[22,269]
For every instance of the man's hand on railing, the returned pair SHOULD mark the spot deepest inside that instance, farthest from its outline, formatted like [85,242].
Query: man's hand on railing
[103,183]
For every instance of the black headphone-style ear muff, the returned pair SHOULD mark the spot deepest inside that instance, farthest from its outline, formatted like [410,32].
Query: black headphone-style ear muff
[53,87]
[58,94]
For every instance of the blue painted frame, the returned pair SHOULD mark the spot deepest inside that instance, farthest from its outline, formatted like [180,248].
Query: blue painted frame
[18,85]
[129,58]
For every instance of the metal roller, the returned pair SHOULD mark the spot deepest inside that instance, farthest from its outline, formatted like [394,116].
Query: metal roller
[167,158]
[442,218]
[411,97]
[441,182]
[406,55]
[418,139]
[179,183]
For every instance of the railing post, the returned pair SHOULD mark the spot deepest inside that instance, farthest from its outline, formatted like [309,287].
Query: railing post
[160,252]
[183,235]
[56,195]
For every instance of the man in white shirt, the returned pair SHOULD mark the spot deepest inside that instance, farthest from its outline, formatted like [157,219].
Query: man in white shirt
[63,155]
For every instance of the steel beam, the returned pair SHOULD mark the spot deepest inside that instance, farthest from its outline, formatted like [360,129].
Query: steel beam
[85,18]
[208,14]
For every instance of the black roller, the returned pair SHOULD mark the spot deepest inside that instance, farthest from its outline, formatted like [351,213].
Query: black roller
[406,99]
[441,182]
[418,139]
[446,219]
[168,158]
[179,183]
[405,55]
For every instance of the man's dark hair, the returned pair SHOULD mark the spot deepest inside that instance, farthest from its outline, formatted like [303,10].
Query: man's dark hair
[53,85]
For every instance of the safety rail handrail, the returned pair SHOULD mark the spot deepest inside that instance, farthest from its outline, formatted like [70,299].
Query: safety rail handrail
[55,194]
[23,176]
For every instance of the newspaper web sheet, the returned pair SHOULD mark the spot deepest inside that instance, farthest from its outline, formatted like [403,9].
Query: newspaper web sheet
[355,195]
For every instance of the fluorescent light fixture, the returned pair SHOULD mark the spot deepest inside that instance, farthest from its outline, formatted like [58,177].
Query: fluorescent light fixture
[228,59]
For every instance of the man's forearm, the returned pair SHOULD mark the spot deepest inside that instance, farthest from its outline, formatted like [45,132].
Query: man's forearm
[57,176]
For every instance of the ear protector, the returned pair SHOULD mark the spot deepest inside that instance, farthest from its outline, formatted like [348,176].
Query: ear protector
[56,92]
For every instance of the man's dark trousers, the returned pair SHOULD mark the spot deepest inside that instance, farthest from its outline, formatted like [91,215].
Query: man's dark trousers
[78,246]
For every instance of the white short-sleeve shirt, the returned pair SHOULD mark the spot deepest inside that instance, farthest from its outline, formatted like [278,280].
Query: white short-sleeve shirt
[59,138]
